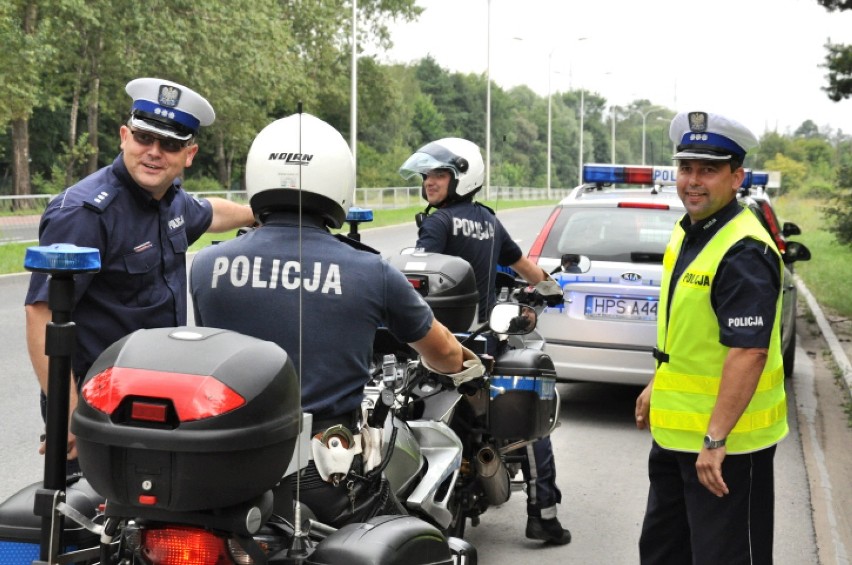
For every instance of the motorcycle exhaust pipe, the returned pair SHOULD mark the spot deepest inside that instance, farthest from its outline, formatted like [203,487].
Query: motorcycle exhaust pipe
[493,476]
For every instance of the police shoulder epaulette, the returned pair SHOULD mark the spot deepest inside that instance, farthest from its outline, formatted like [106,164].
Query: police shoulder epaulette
[99,197]
[493,213]
[355,244]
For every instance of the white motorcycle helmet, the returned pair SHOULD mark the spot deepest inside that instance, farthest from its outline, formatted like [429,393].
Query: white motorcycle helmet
[460,156]
[302,161]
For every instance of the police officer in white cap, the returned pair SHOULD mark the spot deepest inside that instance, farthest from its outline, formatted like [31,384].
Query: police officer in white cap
[136,214]
[716,406]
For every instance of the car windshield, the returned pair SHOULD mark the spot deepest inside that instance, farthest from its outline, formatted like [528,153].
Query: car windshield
[613,234]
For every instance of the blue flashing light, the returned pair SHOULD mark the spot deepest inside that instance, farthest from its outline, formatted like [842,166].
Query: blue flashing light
[356,214]
[62,258]
[759,178]
[747,179]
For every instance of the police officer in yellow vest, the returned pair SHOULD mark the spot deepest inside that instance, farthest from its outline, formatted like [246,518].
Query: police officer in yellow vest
[716,405]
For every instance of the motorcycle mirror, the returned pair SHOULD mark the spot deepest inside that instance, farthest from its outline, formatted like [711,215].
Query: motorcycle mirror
[573,263]
[512,318]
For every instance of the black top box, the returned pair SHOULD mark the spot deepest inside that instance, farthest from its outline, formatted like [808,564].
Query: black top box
[447,283]
[187,419]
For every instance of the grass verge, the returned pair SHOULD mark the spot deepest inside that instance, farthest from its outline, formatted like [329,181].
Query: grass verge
[830,261]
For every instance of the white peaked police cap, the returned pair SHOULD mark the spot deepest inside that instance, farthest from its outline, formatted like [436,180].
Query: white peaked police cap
[167,108]
[708,136]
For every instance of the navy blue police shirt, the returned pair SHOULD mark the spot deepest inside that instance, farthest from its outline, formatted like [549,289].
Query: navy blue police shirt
[318,298]
[746,285]
[471,231]
[142,244]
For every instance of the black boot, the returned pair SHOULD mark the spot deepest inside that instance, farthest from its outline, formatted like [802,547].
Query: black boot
[550,531]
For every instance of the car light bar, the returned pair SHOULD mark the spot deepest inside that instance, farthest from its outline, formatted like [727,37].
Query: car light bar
[618,173]
[629,174]
[652,175]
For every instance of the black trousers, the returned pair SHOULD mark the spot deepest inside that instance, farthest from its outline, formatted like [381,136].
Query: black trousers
[539,469]
[685,523]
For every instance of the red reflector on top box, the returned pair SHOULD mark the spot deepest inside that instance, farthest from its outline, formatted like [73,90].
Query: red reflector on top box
[148,411]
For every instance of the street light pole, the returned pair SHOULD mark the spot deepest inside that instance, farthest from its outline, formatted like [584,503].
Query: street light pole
[644,118]
[669,120]
[549,118]
[488,105]
[612,156]
[582,118]
[582,127]
[353,95]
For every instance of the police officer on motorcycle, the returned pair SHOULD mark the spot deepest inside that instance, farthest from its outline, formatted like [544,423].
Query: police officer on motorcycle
[452,172]
[321,297]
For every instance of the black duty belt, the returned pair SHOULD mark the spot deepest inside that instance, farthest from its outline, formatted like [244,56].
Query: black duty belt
[349,419]
[660,356]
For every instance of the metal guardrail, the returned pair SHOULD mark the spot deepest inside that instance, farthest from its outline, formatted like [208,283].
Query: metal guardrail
[21,223]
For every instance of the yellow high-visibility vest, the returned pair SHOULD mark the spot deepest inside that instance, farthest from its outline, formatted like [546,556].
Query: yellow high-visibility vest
[687,384]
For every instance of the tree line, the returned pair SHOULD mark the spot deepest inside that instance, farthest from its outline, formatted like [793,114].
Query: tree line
[62,83]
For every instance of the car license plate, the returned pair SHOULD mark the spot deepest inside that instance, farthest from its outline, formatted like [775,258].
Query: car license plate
[614,308]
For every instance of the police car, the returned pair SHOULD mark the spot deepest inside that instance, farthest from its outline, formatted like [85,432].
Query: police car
[606,329]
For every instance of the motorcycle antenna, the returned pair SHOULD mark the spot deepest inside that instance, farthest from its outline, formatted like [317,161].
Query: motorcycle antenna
[299,545]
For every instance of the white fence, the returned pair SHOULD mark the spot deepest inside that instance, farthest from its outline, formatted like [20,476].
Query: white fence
[22,225]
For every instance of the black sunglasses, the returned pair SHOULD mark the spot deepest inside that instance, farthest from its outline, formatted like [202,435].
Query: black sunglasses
[166,144]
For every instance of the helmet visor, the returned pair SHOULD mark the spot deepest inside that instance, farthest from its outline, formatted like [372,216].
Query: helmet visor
[421,163]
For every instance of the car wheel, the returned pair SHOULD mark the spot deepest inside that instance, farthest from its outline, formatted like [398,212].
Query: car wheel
[790,352]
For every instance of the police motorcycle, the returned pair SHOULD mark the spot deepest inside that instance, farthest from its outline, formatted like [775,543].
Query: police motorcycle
[187,438]
[453,446]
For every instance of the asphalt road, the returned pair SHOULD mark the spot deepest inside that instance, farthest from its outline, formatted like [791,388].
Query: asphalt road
[601,457]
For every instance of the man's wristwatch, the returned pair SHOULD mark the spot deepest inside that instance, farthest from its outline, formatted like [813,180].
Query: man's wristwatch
[711,443]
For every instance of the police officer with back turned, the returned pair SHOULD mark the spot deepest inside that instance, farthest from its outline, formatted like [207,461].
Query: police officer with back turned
[320,297]
[716,405]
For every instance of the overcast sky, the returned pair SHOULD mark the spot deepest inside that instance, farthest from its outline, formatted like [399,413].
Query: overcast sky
[757,61]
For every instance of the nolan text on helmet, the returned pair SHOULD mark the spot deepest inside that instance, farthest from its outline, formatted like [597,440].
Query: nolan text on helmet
[303,159]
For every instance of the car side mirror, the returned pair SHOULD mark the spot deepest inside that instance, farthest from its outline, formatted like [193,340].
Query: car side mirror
[796,251]
[789,228]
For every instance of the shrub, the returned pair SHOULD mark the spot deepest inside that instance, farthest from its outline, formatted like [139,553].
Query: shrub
[820,189]
[839,217]
[202,184]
